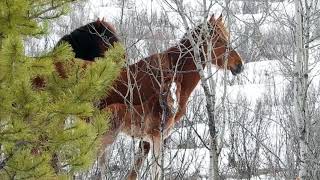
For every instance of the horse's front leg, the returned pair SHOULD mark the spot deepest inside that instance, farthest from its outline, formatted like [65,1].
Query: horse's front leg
[144,148]
[182,106]
[157,156]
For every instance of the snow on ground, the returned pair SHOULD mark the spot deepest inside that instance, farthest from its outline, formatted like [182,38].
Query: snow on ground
[259,80]
[189,161]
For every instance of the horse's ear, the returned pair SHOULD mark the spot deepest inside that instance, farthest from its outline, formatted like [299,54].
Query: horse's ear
[220,17]
[98,22]
[212,19]
[103,20]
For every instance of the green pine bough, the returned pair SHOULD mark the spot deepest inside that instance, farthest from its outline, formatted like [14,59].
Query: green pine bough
[56,130]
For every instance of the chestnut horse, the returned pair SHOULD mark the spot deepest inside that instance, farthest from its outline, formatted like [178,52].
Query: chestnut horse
[141,85]
[88,42]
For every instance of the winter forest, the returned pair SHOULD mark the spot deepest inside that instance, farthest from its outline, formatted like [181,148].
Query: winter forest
[253,112]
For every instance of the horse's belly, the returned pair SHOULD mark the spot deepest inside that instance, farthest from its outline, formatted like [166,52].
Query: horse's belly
[134,131]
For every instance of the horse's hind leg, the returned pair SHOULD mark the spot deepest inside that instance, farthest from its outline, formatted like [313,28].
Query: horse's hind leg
[144,148]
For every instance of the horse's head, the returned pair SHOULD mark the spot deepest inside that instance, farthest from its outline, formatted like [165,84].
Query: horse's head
[219,37]
[105,31]
[100,35]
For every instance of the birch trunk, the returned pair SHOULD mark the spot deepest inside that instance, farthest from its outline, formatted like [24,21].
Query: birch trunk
[209,87]
[300,92]
[210,103]
[206,83]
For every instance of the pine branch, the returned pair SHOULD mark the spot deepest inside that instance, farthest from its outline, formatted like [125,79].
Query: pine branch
[52,8]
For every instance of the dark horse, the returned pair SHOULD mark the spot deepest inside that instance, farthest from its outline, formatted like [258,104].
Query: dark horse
[88,42]
[91,40]
[143,84]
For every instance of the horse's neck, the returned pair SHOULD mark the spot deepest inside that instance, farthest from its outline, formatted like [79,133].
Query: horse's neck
[182,57]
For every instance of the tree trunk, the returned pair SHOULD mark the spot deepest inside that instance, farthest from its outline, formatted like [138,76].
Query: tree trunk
[210,103]
[300,93]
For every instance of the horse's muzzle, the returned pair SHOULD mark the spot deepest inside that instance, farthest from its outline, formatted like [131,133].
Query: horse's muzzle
[237,70]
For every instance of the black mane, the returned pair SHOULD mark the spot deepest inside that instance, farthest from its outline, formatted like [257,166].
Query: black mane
[197,34]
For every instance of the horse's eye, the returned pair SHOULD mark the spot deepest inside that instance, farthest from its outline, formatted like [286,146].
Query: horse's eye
[223,41]
[220,41]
